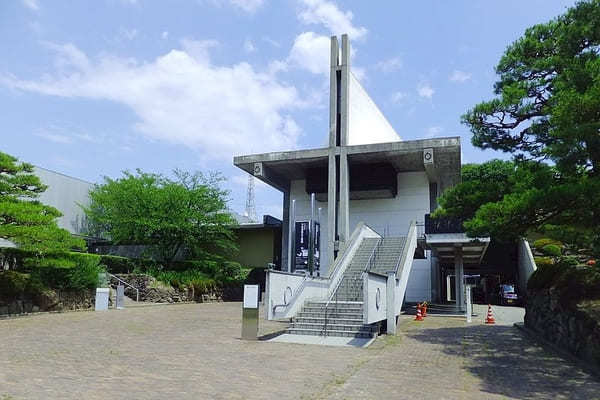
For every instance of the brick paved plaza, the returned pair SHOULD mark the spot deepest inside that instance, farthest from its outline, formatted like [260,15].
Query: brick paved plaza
[194,352]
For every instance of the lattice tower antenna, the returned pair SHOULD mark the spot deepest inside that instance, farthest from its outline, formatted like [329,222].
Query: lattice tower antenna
[250,204]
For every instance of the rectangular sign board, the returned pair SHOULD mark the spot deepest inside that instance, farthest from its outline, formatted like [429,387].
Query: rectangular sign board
[101,303]
[250,296]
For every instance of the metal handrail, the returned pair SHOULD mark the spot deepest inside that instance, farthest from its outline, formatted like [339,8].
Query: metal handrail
[372,259]
[352,284]
[137,291]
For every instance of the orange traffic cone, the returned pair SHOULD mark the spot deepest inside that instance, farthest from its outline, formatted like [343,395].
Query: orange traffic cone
[424,306]
[419,317]
[490,317]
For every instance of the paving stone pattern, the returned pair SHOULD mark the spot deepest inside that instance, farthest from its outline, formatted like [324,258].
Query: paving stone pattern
[193,351]
[443,358]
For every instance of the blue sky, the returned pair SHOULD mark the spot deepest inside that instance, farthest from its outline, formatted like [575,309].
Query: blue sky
[92,88]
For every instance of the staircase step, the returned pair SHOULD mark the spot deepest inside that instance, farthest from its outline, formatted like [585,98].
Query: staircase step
[333,327]
[319,332]
[342,321]
[304,314]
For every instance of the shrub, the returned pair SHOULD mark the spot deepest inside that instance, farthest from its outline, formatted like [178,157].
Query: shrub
[552,250]
[83,275]
[117,264]
[14,285]
[541,261]
[573,282]
[200,281]
[541,243]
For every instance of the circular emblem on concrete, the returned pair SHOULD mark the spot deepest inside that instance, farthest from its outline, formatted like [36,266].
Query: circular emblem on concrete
[428,156]
[257,169]
[377,298]
[287,295]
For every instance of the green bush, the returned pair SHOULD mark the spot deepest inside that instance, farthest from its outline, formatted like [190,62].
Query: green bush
[117,264]
[542,261]
[14,285]
[83,275]
[573,282]
[181,279]
[541,243]
[552,250]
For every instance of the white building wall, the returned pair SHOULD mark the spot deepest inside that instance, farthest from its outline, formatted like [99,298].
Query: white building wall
[391,215]
[366,123]
[65,193]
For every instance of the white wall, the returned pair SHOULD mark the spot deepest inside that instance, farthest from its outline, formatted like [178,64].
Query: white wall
[371,285]
[393,215]
[419,281]
[526,265]
[366,123]
[64,193]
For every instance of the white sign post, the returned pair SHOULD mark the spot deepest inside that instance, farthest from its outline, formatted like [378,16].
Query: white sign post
[469,307]
[120,299]
[250,312]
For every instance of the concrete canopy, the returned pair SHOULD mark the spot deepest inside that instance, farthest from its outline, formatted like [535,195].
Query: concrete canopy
[280,168]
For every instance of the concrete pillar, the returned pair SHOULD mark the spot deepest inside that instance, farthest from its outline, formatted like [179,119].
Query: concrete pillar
[459,275]
[335,49]
[331,205]
[285,233]
[391,302]
[345,82]
[344,209]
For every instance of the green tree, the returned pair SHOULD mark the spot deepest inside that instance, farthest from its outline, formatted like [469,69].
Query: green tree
[24,220]
[548,96]
[186,213]
[547,114]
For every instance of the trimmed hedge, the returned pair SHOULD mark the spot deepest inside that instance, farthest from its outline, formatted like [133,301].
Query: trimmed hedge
[117,264]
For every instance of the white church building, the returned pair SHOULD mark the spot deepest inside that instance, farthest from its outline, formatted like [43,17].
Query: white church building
[362,202]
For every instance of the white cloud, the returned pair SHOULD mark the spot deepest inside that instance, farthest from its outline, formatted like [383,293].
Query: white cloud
[182,98]
[242,180]
[165,35]
[425,90]
[249,46]
[249,6]
[311,51]
[53,137]
[272,42]
[326,13]
[460,76]
[433,131]
[390,65]
[31,4]
[398,97]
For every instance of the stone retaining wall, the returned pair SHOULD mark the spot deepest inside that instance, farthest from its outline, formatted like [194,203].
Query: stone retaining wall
[153,291]
[575,328]
[49,300]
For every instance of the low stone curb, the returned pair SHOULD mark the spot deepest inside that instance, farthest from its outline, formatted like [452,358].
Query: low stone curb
[535,337]
[35,314]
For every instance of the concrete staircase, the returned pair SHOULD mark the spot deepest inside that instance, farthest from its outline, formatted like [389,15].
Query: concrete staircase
[343,319]
[344,314]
